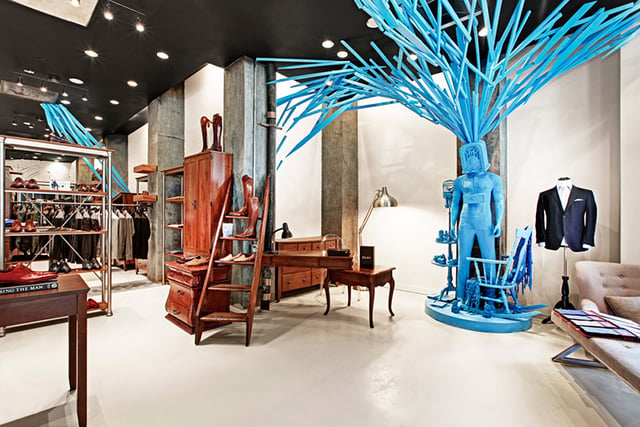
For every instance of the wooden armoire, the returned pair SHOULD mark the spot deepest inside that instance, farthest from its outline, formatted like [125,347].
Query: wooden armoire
[205,177]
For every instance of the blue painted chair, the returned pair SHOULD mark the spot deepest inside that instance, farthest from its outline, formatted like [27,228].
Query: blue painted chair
[498,282]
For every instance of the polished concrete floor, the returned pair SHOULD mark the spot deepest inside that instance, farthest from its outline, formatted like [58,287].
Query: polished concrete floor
[305,369]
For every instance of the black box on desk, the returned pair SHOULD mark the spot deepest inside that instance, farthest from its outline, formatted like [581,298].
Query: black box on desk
[367,259]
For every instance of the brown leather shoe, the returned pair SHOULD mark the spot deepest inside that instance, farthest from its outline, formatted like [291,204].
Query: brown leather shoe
[16,226]
[29,226]
[23,275]
[197,262]
[17,183]
[32,184]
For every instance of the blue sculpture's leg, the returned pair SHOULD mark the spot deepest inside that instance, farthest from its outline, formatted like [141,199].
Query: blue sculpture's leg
[466,237]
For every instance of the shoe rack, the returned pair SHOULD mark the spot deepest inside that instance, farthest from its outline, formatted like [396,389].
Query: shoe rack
[78,198]
[445,238]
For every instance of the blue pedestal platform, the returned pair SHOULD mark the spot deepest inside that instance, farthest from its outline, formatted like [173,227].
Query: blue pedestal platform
[475,322]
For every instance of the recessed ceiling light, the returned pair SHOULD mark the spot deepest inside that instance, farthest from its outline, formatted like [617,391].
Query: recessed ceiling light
[46,135]
[342,54]
[371,23]
[114,102]
[162,55]
[88,129]
[98,117]
[91,53]
[29,71]
[76,81]
[328,44]
[132,83]
[484,32]
[65,101]
[139,25]
[413,56]
[26,123]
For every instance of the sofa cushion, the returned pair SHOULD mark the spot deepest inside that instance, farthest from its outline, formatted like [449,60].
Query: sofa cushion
[627,307]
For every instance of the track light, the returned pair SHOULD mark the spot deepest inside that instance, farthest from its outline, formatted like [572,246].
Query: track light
[64,92]
[108,14]
[14,122]
[84,97]
[43,87]
[20,82]
[139,25]
[484,32]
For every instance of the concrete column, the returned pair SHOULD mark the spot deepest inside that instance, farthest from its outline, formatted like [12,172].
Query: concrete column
[83,173]
[245,105]
[340,179]
[166,150]
[120,155]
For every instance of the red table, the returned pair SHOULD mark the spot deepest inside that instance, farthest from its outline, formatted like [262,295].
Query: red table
[356,276]
[69,300]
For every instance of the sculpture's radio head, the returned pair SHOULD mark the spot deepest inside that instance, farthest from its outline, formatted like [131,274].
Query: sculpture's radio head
[474,157]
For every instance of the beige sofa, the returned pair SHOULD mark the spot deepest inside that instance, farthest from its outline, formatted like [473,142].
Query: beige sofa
[597,281]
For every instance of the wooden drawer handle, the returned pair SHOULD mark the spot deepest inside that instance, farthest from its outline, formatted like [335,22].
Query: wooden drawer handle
[304,280]
[179,292]
[176,312]
[289,282]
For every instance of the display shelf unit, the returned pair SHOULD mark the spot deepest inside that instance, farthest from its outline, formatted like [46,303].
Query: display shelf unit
[173,195]
[81,198]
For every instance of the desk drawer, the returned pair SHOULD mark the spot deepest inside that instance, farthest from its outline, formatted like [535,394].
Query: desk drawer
[296,280]
[317,276]
[287,246]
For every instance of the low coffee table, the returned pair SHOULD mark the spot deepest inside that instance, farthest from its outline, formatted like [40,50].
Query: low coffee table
[367,278]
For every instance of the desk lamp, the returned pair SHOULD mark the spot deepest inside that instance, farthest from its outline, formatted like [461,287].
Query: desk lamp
[381,199]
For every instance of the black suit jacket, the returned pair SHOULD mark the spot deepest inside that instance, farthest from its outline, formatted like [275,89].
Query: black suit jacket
[577,224]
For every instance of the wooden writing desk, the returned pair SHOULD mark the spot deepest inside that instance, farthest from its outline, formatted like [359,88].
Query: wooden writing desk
[69,300]
[309,259]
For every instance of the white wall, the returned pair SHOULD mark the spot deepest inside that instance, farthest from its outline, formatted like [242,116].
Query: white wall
[203,96]
[298,179]
[137,148]
[412,157]
[569,128]
[43,171]
[630,151]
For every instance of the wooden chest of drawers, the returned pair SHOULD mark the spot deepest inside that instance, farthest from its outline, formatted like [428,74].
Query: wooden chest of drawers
[293,278]
[186,285]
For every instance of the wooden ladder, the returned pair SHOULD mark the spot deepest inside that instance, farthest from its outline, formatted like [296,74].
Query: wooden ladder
[210,290]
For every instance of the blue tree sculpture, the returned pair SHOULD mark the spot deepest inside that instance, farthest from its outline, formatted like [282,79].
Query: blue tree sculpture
[482,78]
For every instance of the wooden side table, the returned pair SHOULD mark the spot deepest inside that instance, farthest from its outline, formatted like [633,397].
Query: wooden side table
[69,300]
[369,279]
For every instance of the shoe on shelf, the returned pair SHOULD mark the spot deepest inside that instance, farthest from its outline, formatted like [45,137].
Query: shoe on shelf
[86,265]
[188,258]
[246,258]
[197,262]
[23,275]
[17,183]
[32,184]
[226,258]
[64,267]
[54,266]
[16,226]
[236,256]
[95,264]
[91,303]
[82,187]
[29,226]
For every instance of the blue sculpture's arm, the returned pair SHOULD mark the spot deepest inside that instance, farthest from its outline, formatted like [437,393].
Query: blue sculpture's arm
[498,204]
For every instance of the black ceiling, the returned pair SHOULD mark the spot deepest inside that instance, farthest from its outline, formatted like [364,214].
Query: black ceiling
[192,32]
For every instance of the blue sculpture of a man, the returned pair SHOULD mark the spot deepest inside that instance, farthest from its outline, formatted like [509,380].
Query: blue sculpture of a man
[474,193]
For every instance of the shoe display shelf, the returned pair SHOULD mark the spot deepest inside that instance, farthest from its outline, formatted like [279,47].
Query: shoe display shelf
[38,197]
[172,181]
[445,237]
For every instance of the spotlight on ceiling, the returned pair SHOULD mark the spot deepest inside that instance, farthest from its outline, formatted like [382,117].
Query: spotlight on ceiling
[91,53]
[328,44]
[162,55]
[98,118]
[132,83]
[20,82]
[14,122]
[84,97]
[65,101]
[371,23]
[43,87]
[114,102]
[484,32]
[64,92]
[413,56]
[139,25]
[342,54]
[76,81]
[29,71]
[107,13]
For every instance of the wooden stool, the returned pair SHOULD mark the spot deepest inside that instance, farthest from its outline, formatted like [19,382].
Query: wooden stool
[367,278]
